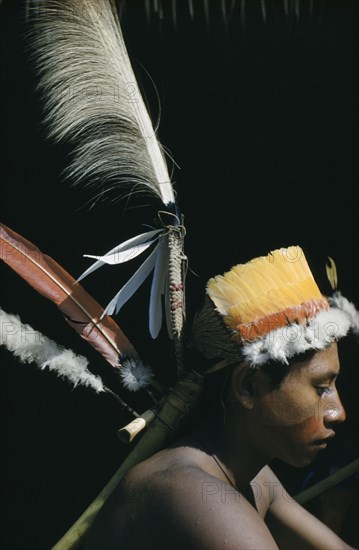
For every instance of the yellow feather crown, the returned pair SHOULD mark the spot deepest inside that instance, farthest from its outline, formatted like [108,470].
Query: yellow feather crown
[266,293]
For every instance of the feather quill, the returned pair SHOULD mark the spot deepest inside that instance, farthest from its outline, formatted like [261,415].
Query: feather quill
[81,311]
[92,99]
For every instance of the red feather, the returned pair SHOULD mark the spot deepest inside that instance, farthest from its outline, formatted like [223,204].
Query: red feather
[81,311]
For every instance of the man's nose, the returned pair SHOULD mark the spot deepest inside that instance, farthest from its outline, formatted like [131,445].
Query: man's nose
[334,412]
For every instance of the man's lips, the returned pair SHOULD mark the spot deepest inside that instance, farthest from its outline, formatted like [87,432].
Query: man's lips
[322,443]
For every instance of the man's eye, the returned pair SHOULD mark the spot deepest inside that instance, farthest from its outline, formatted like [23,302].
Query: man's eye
[321,390]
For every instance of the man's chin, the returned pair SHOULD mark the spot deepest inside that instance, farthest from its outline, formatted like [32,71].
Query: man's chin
[302,460]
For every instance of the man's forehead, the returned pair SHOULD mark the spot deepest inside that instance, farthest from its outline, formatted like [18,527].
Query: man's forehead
[324,361]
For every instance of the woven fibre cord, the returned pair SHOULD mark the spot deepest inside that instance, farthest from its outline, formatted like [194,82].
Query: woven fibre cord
[176,277]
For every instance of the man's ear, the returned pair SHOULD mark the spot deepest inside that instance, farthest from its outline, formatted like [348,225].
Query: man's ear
[249,384]
[242,385]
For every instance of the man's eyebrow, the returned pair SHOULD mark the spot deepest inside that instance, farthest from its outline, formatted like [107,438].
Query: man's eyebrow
[326,375]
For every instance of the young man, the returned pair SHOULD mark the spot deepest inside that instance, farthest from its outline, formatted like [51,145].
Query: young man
[213,489]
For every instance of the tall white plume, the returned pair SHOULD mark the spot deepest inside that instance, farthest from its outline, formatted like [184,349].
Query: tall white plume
[92,99]
[30,346]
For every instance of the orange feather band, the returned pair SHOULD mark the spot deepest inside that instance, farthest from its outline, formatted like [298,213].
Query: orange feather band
[295,314]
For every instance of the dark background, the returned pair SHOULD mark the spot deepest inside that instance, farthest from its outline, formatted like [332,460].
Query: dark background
[261,119]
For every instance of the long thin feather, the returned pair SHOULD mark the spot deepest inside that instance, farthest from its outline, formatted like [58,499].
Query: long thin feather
[92,99]
[132,284]
[121,257]
[158,289]
[123,252]
[81,311]
[30,346]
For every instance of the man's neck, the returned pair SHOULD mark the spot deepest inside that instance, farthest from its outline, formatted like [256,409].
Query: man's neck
[238,455]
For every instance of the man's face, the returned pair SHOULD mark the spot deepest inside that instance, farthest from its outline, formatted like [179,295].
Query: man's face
[296,420]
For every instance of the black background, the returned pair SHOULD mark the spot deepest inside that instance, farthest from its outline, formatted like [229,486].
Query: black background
[261,120]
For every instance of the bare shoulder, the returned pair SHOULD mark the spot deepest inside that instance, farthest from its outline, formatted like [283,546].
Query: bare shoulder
[170,501]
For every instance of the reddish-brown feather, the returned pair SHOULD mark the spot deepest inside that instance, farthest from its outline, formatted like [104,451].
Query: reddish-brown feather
[81,311]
